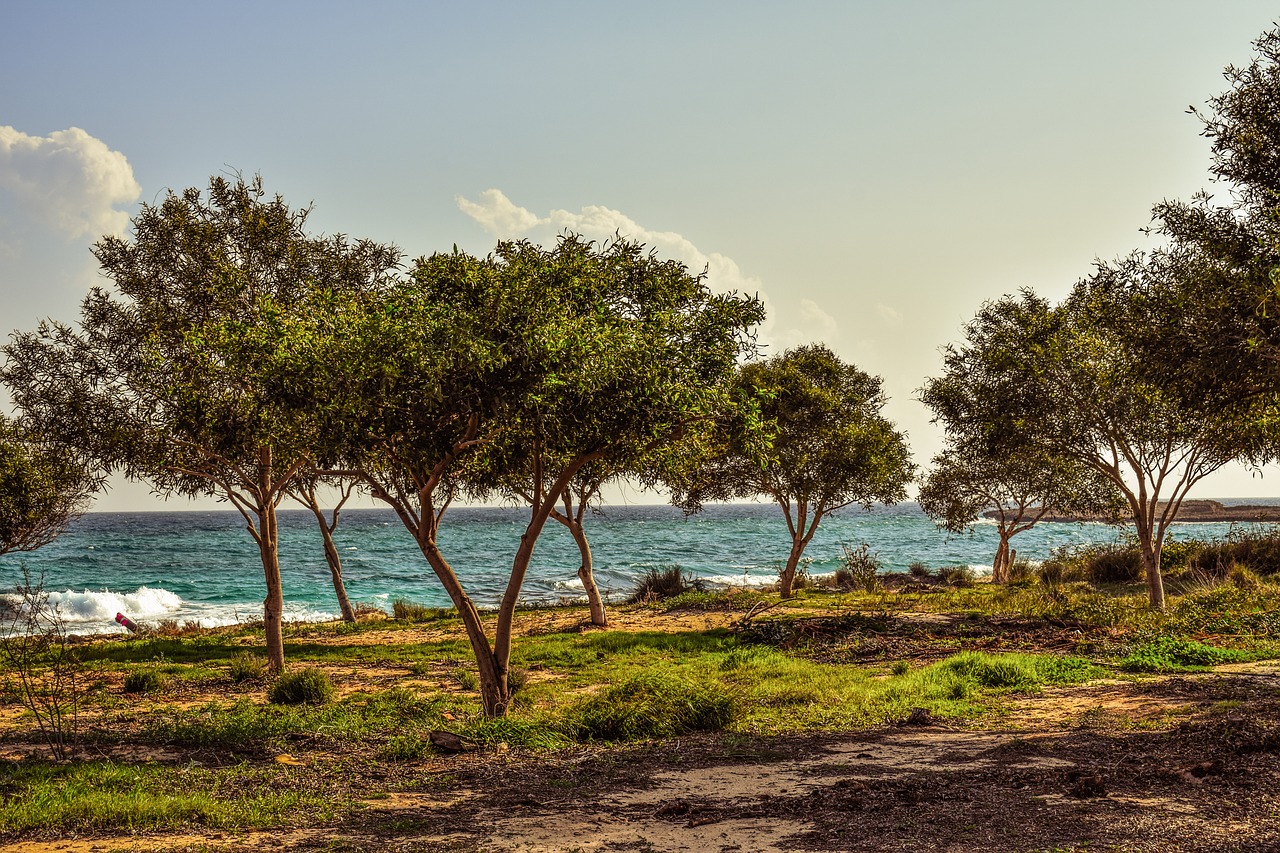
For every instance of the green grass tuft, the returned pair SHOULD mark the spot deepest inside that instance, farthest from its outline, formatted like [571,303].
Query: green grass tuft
[655,705]
[308,686]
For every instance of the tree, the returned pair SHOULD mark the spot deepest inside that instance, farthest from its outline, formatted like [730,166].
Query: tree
[548,360]
[1067,382]
[807,432]
[305,490]
[43,488]
[482,481]
[1020,481]
[166,378]
[1020,486]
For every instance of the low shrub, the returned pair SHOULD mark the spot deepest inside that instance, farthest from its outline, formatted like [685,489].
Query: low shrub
[919,570]
[862,566]
[1257,548]
[246,666]
[956,575]
[1170,654]
[660,584]
[304,687]
[143,680]
[408,611]
[654,705]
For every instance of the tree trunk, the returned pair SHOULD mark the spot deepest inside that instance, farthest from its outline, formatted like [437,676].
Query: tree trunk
[495,696]
[1000,565]
[594,601]
[1151,544]
[335,570]
[788,576]
[273,605]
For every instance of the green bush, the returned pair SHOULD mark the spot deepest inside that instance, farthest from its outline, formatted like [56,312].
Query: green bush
[660,584]
[1169,654]
[956,575]
[246,666]
[862,567]
[919,570]
[655,705]
[408,611]
[143,681]
[304,687]
[1257,548]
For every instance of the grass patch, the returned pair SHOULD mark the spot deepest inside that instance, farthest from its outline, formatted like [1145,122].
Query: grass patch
[143,680]
[408,611]
[1170,654]
[655,705]
[308,686]
[98,796]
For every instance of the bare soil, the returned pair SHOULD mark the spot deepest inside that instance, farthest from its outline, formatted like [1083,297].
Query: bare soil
[1159,765]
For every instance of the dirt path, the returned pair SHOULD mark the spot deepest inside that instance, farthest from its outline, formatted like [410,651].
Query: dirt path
[1186,763]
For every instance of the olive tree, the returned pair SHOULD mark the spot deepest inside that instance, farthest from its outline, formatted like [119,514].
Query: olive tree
[1018,486]
[166,377]
[1067,382]
[550,361]
[807,432]
[306,490]
[43,487]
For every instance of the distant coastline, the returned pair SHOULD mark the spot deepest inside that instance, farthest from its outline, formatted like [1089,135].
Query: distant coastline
[1191,512]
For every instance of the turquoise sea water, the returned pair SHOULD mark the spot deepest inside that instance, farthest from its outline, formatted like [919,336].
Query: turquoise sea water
[204,565]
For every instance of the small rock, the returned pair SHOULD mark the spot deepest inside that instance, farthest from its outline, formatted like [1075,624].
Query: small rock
[449,742]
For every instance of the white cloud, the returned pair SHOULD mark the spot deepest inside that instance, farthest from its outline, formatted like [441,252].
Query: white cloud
[786,324]
[58,194]
[889,315]
[498,215]
[68,181]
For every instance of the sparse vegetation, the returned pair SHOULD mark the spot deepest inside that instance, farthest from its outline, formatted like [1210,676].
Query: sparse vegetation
[308,686]
[666,582]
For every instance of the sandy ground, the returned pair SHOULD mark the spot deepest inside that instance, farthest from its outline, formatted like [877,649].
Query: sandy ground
[1157,765]
[1171,764]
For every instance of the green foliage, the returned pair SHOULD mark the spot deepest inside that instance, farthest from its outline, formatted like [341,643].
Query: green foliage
[246,666]
[408,611]
[655,705]
[43,486]
[919,570]
[663,583]
[1171,654]
[143,680]
[310,686]
[860,568]
[806,430]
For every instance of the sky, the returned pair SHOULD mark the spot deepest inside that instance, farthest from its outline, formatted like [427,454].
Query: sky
[875,171]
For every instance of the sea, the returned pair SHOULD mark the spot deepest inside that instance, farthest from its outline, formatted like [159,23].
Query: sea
[202,566]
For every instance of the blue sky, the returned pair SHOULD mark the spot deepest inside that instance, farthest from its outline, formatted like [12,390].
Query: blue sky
[876,170]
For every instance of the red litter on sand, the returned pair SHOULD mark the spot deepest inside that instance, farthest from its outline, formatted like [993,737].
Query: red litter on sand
[127,622]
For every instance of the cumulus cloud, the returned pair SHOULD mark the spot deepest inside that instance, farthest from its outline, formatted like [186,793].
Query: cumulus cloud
[58,194]
[786,324]
[68,181]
